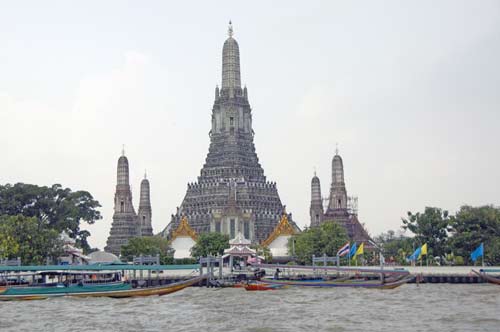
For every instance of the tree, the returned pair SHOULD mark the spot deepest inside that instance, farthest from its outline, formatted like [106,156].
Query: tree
[25,238]
[397,247]
[430,227]
[148,246]
[53,207]
[471,226]
[325,239]
[210,244]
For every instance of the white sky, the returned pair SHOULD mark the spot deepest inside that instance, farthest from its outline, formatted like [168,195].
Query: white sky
[409,90]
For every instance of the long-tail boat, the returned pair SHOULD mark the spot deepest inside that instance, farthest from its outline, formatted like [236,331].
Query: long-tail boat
[376,284]
[347,277]
[114,290]
[262,286]
[483,274]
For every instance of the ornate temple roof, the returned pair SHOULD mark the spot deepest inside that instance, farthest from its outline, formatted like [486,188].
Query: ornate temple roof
[184,230]
[283,228]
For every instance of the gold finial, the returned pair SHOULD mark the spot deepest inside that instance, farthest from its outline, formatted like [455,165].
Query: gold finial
[123,150]
[336,149]
[230,29]
[314,170]
[145,174]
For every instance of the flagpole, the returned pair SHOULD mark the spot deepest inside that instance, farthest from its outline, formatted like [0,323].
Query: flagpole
[482,256]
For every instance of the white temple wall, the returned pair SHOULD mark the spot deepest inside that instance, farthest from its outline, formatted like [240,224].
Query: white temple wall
[182,246]
[279,247]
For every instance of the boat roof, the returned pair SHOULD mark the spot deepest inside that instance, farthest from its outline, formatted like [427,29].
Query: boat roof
[97,267]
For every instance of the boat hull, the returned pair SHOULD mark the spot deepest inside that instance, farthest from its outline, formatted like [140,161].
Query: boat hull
[344,283]
[487,278]
[262,286]
[116,291]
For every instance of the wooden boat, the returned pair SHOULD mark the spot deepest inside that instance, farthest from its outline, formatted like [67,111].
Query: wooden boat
[359,283]
[261,286]
[486,277]
[114,290]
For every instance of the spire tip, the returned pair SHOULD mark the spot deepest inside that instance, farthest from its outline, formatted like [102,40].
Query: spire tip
[230,29]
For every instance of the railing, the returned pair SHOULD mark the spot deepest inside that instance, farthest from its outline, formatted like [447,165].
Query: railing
[11,262]
[147,260]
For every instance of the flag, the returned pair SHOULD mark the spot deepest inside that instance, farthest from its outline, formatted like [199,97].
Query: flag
[353,250]
[343,250]
[423,251]
[479,252]
[415,255]
[360,250]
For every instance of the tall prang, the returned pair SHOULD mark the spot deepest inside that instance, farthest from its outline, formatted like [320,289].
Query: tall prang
[124,224]
[341,208]
[231,194]
[316,208]
[144,213]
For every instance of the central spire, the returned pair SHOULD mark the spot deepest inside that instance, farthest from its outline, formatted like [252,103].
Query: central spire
[231,62]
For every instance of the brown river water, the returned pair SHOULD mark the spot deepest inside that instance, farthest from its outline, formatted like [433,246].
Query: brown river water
[432,307]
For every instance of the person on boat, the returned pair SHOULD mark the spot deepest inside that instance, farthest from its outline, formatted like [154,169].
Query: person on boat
[277,274]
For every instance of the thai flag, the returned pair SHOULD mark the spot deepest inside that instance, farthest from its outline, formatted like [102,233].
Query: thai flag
[344,250]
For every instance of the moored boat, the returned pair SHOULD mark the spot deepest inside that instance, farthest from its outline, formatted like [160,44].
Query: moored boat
[360,283]
[261,286]
[483,274]
[114,290]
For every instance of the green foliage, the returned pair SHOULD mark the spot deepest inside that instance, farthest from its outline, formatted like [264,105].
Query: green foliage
[430,227]
[210,244]
[450,238]
[325,239]
[396,247]
[471,226]
[185,261]
[23,237]
[148,246]
[55,208]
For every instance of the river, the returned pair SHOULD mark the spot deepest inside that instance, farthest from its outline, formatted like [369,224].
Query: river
[431,307]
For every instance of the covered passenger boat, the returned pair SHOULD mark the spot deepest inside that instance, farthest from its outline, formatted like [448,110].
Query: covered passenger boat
[114,290]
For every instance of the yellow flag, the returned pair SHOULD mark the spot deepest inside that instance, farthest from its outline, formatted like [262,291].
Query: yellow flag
[360,250]
[423,250]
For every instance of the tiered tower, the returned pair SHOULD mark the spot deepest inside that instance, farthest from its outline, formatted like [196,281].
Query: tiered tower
[231,194]
[124,224]
[338,193]
[339,208]
[144,213]
[316,209]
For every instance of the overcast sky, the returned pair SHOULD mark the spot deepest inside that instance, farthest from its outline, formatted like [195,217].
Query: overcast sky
[409,90]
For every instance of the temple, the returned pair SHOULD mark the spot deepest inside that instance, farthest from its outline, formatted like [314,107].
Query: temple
[231,195]
[183,239]
[277,242]
[126,222]
[341,208]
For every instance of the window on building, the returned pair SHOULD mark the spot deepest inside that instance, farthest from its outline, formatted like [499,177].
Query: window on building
[246,230]
[232,228]
[143,220]
[217,226]
[231,121]
[340,205]
[122,206]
